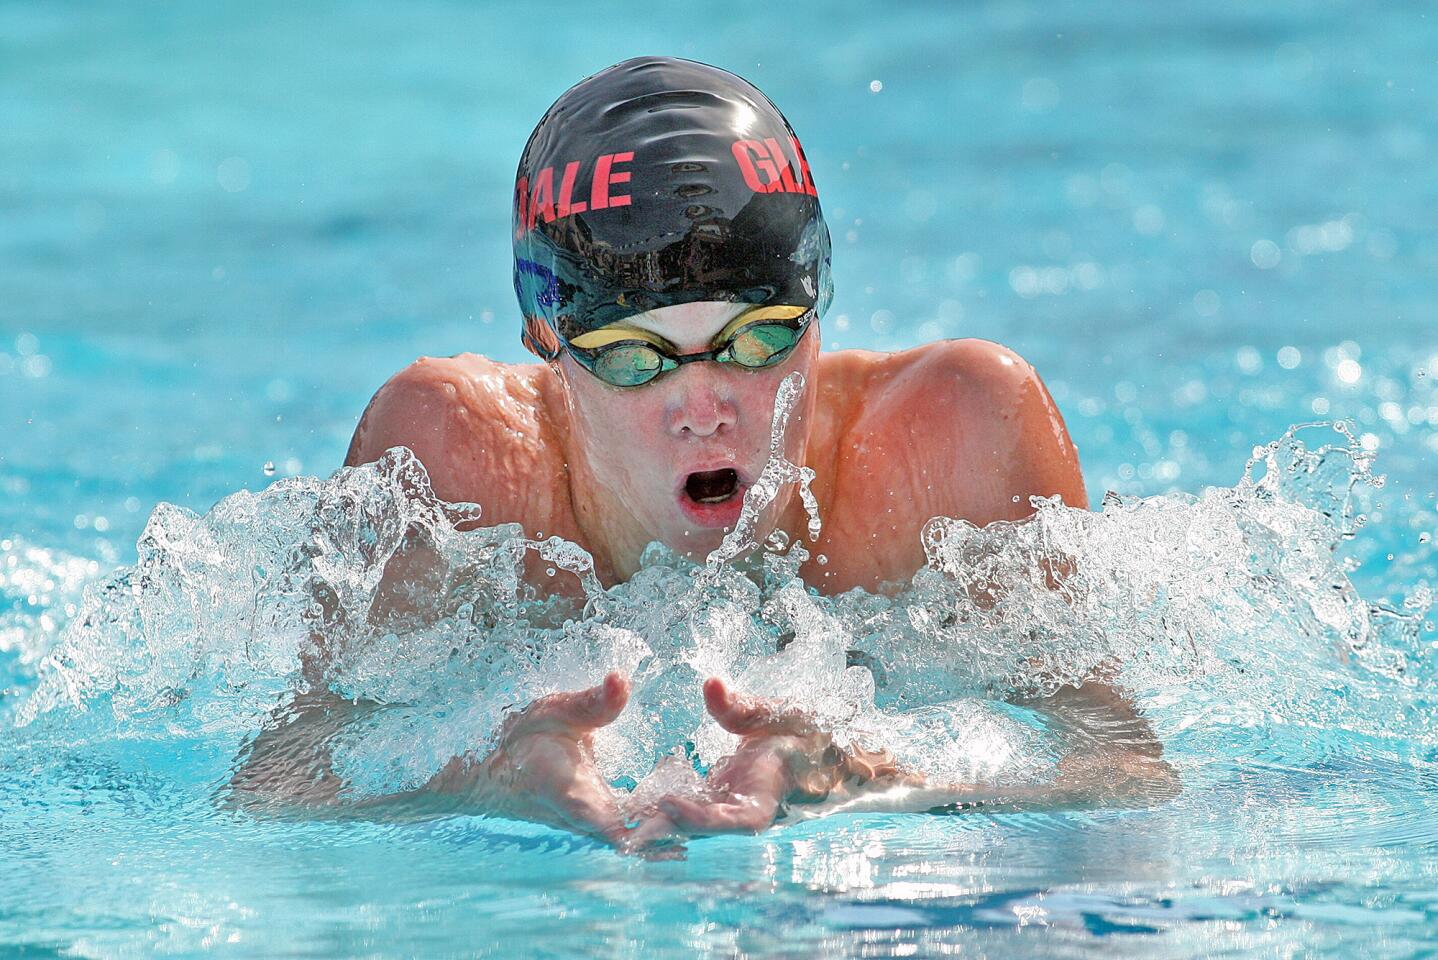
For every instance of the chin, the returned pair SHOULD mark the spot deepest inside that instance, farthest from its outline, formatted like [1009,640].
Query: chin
[697,544]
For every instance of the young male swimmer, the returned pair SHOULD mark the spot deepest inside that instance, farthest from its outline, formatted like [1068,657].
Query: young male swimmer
[672,266]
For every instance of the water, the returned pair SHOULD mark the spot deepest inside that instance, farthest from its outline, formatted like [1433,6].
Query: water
[1202,225]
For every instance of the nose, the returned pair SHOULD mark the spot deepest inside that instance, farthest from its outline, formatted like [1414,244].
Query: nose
[701,404]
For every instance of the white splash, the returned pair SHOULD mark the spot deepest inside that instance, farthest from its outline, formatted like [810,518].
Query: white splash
[778,470]
[1226,608]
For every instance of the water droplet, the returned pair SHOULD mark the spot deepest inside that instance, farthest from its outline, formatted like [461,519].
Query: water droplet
[821,560]
[550,572]
[777,471]
[1265,254]
[269,468]
[233,174]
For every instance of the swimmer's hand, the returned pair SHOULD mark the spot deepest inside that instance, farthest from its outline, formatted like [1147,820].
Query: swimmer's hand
[783,758]
[1115,778]
[1115,758]
[543,768]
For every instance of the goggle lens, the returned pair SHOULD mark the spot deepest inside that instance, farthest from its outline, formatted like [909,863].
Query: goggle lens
[628,364]
[761,345]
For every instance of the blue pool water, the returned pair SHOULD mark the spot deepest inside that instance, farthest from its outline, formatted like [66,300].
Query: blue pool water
[221,228]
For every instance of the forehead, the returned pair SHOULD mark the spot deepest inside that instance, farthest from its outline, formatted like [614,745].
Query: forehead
[687,323]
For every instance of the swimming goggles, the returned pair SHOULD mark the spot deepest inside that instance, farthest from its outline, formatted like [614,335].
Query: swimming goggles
[628,357]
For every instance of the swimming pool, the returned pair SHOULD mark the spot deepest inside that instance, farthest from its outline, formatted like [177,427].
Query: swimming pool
[225,227]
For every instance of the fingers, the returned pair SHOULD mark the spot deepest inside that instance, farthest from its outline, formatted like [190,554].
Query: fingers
[748,716]
[551,780]
[579,711]
[738,815]
[601,704]
[866,766]
[654,838]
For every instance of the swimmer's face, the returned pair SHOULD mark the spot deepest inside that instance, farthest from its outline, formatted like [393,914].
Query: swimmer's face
[672,459]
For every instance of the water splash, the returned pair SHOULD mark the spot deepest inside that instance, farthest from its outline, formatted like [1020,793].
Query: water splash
[1226,609]
[40,591]
[570,556]
[778,470]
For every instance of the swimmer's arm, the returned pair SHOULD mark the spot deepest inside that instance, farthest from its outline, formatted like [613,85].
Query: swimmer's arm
[1099,714]
[289,763]
[1080,780]
[1037,457]
[1114,759]
[1114,753]
[288,771]
[288,768]
[1044,461]
[541,770]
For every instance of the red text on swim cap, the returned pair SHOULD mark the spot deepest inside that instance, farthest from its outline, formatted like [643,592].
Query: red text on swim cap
[766,167]
[535,201]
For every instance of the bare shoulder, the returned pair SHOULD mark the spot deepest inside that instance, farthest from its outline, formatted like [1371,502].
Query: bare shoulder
[972,368]
[973,424]
[466,417]
[1007,412]
[991,377]
[969,369]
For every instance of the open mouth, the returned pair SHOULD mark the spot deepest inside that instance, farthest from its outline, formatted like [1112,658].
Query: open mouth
[712,486]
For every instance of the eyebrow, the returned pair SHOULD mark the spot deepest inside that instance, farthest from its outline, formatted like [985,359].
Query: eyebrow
[620,331]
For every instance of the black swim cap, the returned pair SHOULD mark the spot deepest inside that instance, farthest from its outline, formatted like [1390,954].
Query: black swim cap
[657,182]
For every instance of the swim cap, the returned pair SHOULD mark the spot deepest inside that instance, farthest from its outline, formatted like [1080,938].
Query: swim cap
[657,182]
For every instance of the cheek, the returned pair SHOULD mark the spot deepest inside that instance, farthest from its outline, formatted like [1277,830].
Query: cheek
[617,428]
[757,392]
[614,415]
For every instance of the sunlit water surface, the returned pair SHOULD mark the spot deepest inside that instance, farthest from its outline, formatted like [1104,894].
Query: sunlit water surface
[224,228]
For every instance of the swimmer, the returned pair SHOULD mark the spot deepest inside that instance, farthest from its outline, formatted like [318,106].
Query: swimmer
[672,266]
